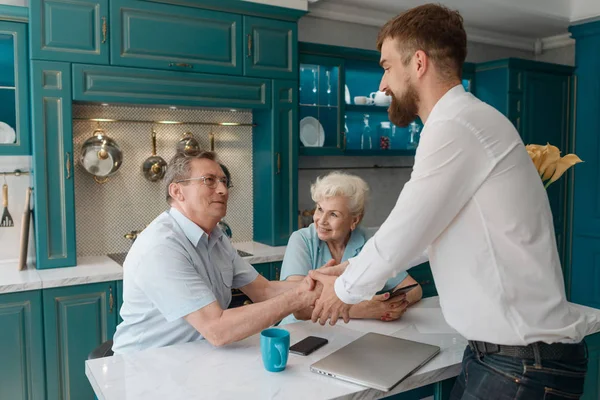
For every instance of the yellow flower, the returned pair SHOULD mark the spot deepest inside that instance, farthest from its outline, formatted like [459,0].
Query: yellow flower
[564,164]
[549,164]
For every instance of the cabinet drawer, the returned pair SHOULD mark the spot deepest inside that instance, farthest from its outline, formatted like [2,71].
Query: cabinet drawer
[170,37]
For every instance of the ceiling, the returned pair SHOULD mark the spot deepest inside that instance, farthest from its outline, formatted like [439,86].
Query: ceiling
[523,24]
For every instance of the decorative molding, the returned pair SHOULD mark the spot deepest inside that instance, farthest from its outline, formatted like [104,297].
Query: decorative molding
[363,16]
[557,41]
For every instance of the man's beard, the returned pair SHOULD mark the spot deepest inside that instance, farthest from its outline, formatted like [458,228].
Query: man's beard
[403,111]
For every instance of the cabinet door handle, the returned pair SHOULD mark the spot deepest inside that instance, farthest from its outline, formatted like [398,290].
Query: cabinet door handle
[104,30]
[278,163]
[68,164]
[249,36]
[181,65]
[111,300]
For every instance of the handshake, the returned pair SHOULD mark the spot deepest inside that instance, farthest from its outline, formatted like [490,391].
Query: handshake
[321,302]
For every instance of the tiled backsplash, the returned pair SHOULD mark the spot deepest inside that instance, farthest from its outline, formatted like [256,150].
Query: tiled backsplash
[127,201]
[385,184]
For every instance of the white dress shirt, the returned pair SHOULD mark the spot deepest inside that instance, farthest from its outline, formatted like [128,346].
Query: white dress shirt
[477,207]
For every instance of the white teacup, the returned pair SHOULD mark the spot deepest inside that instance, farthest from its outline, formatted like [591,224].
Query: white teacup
[362,100]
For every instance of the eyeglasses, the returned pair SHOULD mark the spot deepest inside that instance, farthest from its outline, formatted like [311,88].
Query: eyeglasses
[210,180]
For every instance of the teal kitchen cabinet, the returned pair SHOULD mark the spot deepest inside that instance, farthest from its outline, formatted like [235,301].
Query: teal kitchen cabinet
[69,30]
[14,88]
[22,346]
[585,207]
[274,164]
[331,121]
[163,36]
[77,319]
[271,49]
[53,165]
[536,98]
[591,389]
[119,285]
[422,274]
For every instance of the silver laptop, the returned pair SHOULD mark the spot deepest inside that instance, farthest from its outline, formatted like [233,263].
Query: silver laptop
[376,361]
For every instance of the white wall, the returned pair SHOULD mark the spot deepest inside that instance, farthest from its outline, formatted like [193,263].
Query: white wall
[22,3]
[338,33]
[297,4]
[562,55]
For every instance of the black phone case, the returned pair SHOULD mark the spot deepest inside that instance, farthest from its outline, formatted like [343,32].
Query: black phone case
[308,345]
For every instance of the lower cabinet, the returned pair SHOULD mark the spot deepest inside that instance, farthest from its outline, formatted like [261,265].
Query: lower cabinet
[77,319]
[271,271]
[422,274]
[21,346]
[591,390]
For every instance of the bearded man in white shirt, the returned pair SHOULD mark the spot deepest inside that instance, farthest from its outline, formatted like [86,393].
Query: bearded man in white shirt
[477,209]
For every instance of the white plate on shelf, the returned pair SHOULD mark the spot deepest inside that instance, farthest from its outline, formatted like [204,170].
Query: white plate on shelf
[7,133]
[311,132]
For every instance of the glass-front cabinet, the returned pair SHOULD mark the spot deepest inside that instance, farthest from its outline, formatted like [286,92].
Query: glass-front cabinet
[14,115]
[320,101]
[342,111]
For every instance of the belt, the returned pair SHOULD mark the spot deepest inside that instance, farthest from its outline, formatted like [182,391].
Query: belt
[554,351]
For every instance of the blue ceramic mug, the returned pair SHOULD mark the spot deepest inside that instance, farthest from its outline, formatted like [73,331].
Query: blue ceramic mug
[275,347]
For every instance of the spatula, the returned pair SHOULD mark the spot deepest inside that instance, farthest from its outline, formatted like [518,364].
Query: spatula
[6,220]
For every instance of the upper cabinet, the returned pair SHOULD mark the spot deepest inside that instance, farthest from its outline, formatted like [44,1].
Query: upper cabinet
[161,36]
[342,111]
[14,90]
[69,30]
[271,48]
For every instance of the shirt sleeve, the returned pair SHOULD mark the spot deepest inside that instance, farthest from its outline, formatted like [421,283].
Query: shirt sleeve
[168,278]
[297,260]
[450,166]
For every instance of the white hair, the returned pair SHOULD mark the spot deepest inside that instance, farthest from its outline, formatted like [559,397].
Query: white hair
[338,183]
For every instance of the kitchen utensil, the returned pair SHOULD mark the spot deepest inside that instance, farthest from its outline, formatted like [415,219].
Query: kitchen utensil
[311,132]
[380,99]
[188,144]
[154,167]
[6,221]
[7,133]
[25,232]
[101,156]
[347,95]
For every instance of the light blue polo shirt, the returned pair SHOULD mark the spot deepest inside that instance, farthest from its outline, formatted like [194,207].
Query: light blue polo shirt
[173,269]
[305,251]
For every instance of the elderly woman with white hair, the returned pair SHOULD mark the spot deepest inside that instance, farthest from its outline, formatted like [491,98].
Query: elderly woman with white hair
[340,200]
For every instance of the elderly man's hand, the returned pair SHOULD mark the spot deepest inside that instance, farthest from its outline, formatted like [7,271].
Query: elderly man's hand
[329,306]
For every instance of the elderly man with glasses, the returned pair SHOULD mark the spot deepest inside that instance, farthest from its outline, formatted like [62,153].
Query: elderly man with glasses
[178,275]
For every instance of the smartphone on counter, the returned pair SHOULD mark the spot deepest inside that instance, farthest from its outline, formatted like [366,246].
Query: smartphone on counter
[403,290]
[308,345]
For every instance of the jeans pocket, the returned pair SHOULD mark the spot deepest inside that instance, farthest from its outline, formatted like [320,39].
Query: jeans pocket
[555,369]
[553,394]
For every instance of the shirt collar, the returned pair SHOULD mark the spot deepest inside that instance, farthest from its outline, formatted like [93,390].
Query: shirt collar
[445,101]
[192,231]
[355,244]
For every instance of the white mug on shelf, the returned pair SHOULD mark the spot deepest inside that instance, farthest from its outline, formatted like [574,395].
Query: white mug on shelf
[362,100]
[380,99]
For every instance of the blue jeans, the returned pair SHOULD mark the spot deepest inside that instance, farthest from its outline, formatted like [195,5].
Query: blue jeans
[495,377]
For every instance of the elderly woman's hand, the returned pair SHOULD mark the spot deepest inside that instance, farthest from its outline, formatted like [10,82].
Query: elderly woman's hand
[381,307]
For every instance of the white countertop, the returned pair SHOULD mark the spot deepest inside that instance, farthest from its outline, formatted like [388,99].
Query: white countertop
[199,370]
[94,269]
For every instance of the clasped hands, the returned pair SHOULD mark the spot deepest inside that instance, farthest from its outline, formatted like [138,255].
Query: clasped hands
[328,306]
